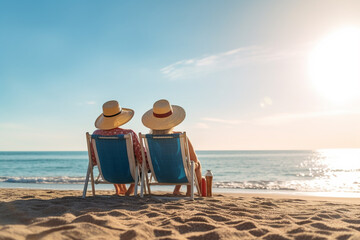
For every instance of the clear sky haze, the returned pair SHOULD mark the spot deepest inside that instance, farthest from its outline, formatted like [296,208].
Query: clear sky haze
[251,75]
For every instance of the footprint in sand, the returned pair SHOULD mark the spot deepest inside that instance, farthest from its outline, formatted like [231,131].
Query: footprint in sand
[356,228]
[353,221]
[269,204]
[331,204]
[256,217]
[279,224]
[231,205]
[52,222]
[44,234]
[218,218]
[295,200]
[218,206]
[213,200]
[90,219]
[178,219]
[26,197]
[117,213]
[303,222]
[162,232]
[342,210]
[296,230]
[258,232]
[277,237]
[336,216]
[210,235]
[132,234]
[56,210]
[343,237]
[162,222]
[322,226]
[324,215]
[307,236]
[316,218]
[197,219]
[172,207]
[276,226]
[245,226]
[194,227]
[151,215]
[210,212]
[234,222]
[243,210]
[300,217]
[258,198]
[323,233]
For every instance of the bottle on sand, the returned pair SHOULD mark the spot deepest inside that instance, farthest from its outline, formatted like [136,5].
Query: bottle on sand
[203,187]
[209,178]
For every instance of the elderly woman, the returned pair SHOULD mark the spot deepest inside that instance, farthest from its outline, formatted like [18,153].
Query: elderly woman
[162,119]
[108,124]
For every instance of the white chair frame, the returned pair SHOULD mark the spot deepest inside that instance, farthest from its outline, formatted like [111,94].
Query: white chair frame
[188,165]
[100,179]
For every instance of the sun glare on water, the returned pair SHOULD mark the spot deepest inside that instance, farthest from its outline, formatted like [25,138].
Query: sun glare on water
[334,65]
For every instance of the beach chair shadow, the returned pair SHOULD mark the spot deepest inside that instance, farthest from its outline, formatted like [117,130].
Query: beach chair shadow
[169,162]
[115,161]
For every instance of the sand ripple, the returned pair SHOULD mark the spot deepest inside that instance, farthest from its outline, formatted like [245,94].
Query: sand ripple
[44,214]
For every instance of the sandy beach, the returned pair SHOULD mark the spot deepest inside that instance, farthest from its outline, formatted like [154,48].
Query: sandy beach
[55,214]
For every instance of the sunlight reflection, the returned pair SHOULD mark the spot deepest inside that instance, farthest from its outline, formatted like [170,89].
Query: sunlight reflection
[334,170]
[341,159]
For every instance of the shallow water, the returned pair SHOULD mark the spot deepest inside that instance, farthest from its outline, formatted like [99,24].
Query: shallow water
[308,171]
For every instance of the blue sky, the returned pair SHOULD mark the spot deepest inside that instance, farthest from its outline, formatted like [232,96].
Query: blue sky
[239,68]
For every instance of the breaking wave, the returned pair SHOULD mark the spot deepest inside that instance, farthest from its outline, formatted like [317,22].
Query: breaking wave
[51,180]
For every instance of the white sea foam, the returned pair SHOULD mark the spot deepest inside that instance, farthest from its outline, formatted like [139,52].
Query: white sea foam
[57,180]
[315,185]
[292,171]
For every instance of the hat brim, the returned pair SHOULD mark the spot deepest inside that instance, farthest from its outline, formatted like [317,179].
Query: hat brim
[106,123]
[155,123]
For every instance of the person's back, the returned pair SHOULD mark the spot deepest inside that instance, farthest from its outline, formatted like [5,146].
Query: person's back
[108,124]
[162,119]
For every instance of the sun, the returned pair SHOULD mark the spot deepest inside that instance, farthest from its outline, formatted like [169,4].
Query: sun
[334,65]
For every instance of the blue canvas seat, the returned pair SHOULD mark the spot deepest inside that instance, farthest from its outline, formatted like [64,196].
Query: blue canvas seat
[169,161]
[115,160]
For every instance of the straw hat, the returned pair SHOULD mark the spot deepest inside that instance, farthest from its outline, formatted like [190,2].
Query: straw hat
[113,116]
[163,116]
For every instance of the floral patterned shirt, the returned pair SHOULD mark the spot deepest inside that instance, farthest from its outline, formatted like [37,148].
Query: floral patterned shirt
[117,131]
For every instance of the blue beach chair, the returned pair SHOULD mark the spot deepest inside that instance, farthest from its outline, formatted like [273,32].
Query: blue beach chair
[115,160]
[169,161]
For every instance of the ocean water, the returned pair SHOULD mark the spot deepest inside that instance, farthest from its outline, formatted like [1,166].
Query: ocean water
[334,172]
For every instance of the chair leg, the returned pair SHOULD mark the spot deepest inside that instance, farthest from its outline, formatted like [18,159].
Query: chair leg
[92,181]
[142,179]
[192,172]
[148,183]
[136,180]
[86,181]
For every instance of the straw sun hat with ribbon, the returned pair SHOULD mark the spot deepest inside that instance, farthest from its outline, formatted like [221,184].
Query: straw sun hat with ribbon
[113,116]
[163,116]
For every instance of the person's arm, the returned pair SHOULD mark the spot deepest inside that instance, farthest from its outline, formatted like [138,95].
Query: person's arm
[193,156]
[192,153]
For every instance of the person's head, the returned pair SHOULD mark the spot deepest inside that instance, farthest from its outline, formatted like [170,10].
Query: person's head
[161,132]
[113,116]
[163,117]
